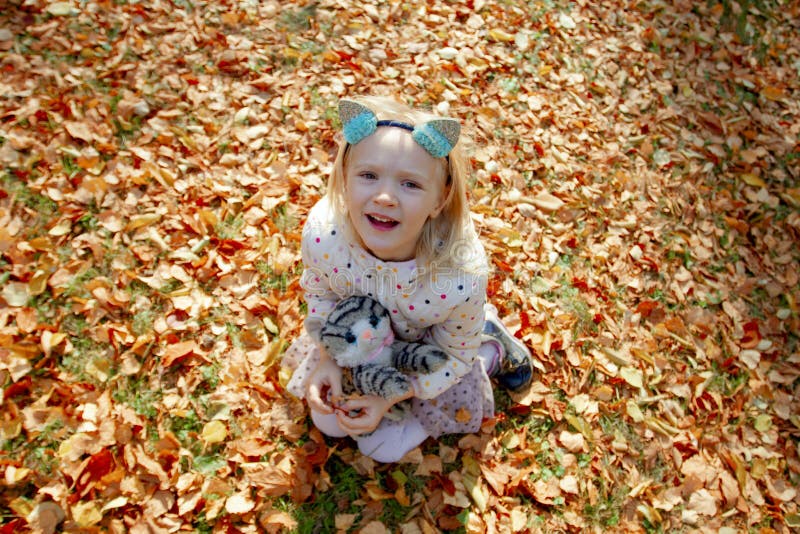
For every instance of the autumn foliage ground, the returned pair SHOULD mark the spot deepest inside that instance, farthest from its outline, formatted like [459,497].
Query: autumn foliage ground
[636,183]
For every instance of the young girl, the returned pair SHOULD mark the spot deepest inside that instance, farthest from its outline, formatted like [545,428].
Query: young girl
[394,225]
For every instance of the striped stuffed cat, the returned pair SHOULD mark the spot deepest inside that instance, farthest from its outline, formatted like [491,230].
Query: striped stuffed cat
[358,336]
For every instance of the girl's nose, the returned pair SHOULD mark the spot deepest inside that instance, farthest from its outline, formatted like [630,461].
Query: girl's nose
[386,195]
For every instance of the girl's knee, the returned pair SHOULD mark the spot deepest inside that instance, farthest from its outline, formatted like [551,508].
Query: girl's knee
[390,442]
[327,424]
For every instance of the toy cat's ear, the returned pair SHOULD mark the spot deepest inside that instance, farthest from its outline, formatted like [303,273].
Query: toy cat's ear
[438,136]
[358,121]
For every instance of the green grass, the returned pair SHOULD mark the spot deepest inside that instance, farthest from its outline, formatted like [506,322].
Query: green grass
[230,228]
[297,20]
[317,515]
[136,393]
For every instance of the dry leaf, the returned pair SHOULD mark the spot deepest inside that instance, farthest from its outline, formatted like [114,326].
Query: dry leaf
[214,432]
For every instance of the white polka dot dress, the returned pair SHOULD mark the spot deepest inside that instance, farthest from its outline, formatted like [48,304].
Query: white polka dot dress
[444,308]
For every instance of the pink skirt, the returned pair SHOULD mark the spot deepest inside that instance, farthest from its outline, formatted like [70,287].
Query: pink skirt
[459,410]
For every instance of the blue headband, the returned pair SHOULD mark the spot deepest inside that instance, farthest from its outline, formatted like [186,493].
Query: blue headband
[437,137]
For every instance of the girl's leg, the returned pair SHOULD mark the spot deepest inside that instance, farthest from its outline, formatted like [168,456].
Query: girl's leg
[491,353]
[514,368]
[392,439]
[327,424]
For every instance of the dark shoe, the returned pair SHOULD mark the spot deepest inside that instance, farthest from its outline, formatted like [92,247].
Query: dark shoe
[515,371]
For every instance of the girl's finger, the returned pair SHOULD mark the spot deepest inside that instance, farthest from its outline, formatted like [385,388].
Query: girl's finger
[315,401]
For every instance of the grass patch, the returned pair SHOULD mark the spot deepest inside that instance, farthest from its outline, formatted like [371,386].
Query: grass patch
[317,515]
[136,393]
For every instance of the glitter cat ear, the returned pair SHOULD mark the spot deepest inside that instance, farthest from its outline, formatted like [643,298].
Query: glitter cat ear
[438,136]
[357,121]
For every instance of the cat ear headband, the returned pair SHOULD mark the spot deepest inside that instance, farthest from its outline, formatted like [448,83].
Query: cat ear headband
[437,137]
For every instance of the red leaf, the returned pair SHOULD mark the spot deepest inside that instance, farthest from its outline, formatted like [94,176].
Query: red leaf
[13,526]
[646,307]
[503,266]
[19,388]
[227,247]
[579,283]
[751,336]
[99,464]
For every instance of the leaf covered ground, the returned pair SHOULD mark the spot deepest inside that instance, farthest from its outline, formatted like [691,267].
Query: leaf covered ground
[636,183]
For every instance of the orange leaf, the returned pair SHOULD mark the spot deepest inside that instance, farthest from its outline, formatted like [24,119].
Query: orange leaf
[773,93]
[177,351]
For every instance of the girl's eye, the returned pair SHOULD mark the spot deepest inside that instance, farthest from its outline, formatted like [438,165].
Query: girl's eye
[368,175]
[411,185]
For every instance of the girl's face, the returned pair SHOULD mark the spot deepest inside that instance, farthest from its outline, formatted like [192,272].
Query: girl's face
[392,187]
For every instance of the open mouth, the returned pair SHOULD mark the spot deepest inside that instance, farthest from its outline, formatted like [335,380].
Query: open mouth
[380,222]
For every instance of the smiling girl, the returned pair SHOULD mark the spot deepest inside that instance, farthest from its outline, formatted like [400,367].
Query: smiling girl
[395,226]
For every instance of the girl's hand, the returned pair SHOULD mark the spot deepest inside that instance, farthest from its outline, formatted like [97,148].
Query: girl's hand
[325,386]
[369,410]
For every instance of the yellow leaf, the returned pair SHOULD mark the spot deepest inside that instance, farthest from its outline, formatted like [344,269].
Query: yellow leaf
[501,35]
[86,514]
[38,282]
[62,228]
[763,423]
[579,424]
[632,376]
[142,220]
[633,411]
[51,340]
[16,474]
[214,432]
[473,485]
[752,179]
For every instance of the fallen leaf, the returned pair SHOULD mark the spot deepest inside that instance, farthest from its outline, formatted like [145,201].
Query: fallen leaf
[214,432]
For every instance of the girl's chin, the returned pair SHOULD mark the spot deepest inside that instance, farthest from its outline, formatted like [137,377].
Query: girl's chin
[388,253]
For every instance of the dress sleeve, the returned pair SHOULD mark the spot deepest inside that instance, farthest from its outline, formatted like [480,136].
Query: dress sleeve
[317,243]
[459,335]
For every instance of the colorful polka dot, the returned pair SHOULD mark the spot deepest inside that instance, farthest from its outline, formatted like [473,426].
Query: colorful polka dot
[443,296]
[317,240]
[411,307]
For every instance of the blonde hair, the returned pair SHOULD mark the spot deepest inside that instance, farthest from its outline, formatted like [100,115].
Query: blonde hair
[446,241]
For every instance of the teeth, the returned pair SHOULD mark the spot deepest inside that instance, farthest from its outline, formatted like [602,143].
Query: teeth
[381,219]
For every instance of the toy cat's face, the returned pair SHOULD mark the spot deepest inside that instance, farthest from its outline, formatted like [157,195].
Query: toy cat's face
[355,329]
